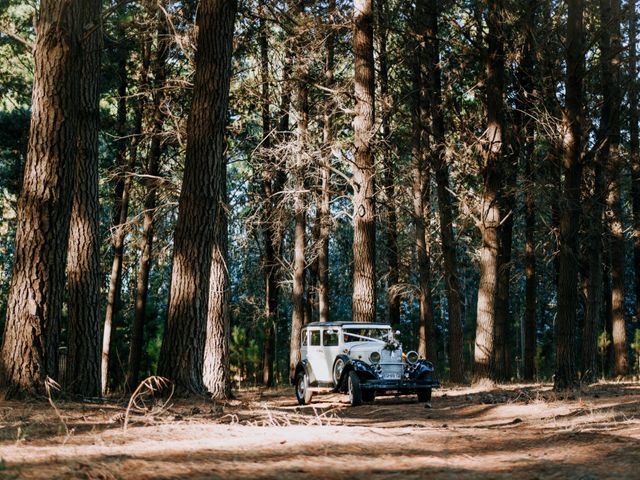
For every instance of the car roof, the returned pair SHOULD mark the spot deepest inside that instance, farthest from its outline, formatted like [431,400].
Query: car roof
[348,324]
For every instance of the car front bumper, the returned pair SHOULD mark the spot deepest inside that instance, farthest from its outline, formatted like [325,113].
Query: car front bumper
[405,385]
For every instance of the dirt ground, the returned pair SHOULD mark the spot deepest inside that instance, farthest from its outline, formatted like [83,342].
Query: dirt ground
[515,431]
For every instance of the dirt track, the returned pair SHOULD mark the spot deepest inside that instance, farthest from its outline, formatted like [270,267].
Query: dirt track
[511,432]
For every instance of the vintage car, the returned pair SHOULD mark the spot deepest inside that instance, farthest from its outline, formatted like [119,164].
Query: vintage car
[361,359]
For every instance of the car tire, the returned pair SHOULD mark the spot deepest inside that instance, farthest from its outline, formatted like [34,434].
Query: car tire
[303,392]
[338,367]
[368,395]
[353,387]
[424,395]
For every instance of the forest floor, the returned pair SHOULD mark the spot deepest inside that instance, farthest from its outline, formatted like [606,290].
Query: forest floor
[507,431]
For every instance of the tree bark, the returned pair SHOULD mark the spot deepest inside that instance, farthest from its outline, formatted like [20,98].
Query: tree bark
[325,199]
[613,164]
[216,352]
[428,13]
[302,107]
[273,180]
[390,225]
[151,185]
[30,341]
[182,353]
[527,125]
[83,268]
[490,214]
[634,147]
[363,302]
[565,328]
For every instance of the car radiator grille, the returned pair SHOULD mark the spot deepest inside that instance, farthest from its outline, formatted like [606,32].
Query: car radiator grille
[392,371]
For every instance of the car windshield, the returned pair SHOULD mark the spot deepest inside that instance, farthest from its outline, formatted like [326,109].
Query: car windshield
[365,334]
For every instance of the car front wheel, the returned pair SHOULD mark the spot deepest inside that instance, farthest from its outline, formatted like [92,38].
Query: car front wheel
[303,392]
[355,392]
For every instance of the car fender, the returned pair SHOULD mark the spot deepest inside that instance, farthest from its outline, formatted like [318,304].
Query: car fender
[422,370]
[362,369]
[303,366]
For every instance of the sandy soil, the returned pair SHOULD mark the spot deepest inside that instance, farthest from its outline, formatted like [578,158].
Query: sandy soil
[516,431]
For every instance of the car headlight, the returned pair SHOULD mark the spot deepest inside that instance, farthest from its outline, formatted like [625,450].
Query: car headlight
[374,357]
[412,357]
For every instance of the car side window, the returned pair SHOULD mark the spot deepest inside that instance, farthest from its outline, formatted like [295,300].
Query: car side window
[330,338]
[304,339]
[315,338]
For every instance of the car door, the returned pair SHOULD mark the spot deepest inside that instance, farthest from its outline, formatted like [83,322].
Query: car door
[316,356]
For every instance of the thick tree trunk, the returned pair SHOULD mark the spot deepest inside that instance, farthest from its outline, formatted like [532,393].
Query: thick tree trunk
[151,185]
[565,371]
[216,351]
[273,182]
[526,73]
[83,268]
[325,199]
[490,215]
[429,12]
[302,140]
[634,147]
[363,303]
[390,225]
[613,164]
[182,353]
[30,341]
[420,193]
[593,287]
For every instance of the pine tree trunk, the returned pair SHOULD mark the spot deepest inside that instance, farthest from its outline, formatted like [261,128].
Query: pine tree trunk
[490,215]
[121,203]
[216,352]
[182,353]
[325,199]
[390,225]
[363,303]
[593,297]
[526,77]
[565,328]
[428,13]
[83,268]
[30,341]
[302,140]
[151,185]
[634,147]
[613,164]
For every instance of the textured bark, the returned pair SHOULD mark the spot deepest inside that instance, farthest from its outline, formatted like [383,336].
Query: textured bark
[30,341]
[363,302]
[182,353]
[427,27]
[634,147]
[390,225]
[593,280]
[325,195]
[613,163]
[298,301]
[273,180]
[216,352]
[490,215]
[565,371]
[83,267]
[527,126]
[151,186]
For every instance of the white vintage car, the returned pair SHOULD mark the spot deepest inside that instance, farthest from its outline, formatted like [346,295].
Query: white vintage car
[361,359]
